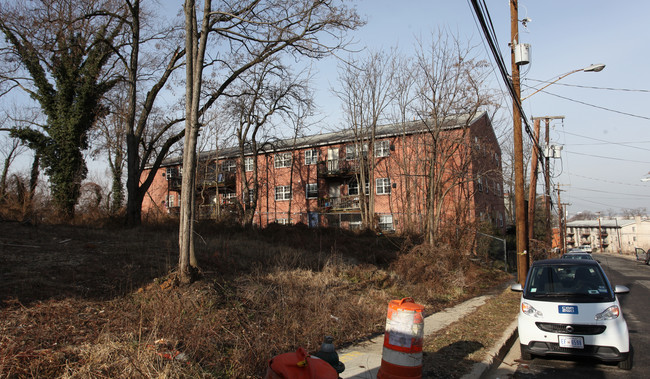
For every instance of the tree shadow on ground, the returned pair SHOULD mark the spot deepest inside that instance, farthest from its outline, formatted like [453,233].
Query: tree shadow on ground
[450,361]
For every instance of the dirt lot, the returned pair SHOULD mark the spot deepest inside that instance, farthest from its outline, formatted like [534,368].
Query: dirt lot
[82,302]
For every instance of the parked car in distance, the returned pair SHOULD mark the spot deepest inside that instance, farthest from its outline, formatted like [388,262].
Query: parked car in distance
[569,308]
[577,255]
[581,249]
[642,255]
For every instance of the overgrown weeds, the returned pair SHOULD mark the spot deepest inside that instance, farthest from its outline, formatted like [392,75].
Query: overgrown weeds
[81,302]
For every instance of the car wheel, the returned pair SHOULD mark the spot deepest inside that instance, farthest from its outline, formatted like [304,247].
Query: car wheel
[627,363]
[525,355]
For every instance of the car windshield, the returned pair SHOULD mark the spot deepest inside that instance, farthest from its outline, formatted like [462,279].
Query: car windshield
[573,282]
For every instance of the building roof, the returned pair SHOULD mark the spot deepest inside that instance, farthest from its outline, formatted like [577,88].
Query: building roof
[604,223]
[334,138]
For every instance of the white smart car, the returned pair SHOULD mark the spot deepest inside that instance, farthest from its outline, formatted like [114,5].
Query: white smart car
[568,307]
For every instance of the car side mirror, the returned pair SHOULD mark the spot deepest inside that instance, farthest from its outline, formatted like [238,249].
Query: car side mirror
[618,289]
[518,288]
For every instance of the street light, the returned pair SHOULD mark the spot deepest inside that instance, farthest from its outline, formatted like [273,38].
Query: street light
[592,68]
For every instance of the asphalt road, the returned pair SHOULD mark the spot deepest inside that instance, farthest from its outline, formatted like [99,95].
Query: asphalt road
[636,310]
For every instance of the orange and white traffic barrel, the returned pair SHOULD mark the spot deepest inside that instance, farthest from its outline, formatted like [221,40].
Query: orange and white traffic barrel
[402,352]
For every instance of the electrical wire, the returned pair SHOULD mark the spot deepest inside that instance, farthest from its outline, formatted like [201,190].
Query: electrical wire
[588,87]
[612,158]
[482,15]
[606,181]
[624,144]
[596,106]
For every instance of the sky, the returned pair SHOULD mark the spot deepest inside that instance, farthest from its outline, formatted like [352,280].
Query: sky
[605,133]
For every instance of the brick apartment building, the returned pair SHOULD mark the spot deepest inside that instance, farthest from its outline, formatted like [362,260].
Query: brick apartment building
[315,179]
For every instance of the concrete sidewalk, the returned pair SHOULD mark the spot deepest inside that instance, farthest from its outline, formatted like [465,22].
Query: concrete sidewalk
[362,361]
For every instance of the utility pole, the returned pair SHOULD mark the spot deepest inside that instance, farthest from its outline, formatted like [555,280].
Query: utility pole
[520,206]
[547,180]
[532,188]
[560,217]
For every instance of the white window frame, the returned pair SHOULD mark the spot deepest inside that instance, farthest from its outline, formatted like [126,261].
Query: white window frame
[352,151]
[382,149]
[382,186]
[282,193]
[311,190]
[311,156]
[282,221]
[386,222]
[248,164]
[282,160]
[170,201]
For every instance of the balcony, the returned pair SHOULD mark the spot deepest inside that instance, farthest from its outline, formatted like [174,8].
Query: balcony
[340,204]
[226,180]
[338,168]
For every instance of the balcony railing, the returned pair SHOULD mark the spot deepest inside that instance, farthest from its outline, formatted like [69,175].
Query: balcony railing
[340,203]
[338,168]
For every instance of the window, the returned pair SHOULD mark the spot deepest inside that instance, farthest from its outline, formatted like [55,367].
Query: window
[487,185]
[499,189]
[172,172]
[170,201]
[383,186]
[311,157]
[251,195]
[312,190]
[480,184]
[352,151]
[282,160]
[248,163]
[386,222]
[283,193]
[382,149]
[228,166]
[282,221]
[353,188]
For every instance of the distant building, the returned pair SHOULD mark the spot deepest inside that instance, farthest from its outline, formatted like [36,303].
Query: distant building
[315,179]
[613,236]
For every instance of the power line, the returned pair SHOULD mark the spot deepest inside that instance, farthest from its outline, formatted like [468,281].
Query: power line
[612,158]
[609,142]
[610,192]
[590,87]
[597,106]
[607,181]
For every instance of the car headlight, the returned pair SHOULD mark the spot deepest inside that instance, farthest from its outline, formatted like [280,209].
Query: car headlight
[609,313]
[529,310]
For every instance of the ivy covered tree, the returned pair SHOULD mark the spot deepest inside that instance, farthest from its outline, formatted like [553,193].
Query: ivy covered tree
[58,52]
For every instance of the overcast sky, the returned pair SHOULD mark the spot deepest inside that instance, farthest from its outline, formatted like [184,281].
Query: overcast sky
[604,134]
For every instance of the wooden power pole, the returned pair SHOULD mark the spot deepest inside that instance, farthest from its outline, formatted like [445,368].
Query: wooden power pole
[520,204]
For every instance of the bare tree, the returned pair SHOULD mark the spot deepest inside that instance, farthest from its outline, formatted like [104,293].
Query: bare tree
[252,32]
[367,90]
[10,149]
[451,83]
[269,90]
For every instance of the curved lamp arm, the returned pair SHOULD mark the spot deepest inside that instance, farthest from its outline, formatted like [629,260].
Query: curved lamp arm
[592,68]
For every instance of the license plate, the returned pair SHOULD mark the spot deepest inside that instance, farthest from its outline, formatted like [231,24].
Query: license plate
[572,342]
[568,309]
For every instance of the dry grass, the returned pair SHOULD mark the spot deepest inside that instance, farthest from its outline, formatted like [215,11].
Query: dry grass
[96,303]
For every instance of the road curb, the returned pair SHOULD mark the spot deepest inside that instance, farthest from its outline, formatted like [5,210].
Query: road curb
[496,353]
